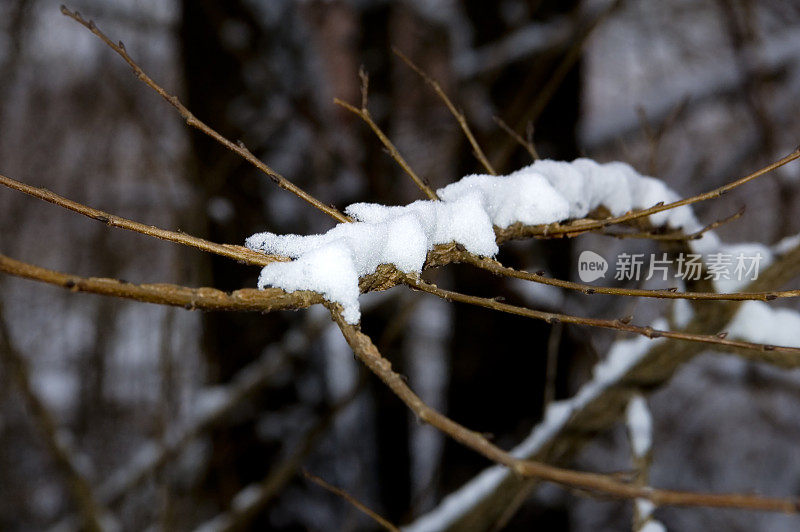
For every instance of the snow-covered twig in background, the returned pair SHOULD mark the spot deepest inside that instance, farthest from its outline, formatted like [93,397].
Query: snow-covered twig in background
[640,433]
[212,406]
[640,426]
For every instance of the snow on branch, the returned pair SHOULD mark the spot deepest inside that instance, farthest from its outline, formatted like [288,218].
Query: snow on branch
[476,213]
[472,212]
[542,193]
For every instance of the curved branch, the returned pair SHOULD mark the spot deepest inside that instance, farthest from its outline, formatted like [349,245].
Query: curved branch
[365,350]
[360,506]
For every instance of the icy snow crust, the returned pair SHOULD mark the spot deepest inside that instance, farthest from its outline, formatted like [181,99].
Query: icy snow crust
[544,192]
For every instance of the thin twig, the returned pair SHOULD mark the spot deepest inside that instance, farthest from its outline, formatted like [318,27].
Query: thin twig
[459,116]
[495,267]
[512,507]
[231,251]
[237,147]
[352,500]
[618,325]
[678,235]
[366,351]
[363,113]
[527,144]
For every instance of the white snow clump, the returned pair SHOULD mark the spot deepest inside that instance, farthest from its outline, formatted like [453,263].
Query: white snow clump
[544,192]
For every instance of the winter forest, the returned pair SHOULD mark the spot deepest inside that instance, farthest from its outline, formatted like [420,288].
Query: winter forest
[415,265]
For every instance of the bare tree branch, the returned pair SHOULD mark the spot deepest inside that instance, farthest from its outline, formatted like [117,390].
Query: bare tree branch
[352,500]
[191,120]
[459,116]
[495,267]
[527,144]
[363,113]
[231,251]
[366,351]
[249,299]
[619,324]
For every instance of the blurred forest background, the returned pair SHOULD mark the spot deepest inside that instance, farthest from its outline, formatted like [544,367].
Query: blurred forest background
[694,92]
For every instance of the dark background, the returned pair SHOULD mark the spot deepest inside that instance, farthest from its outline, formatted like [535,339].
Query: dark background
[694,92]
